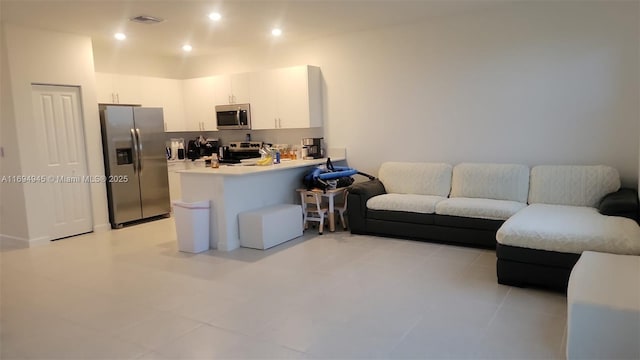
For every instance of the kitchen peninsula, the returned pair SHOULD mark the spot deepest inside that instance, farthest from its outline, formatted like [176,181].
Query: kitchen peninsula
[234,189]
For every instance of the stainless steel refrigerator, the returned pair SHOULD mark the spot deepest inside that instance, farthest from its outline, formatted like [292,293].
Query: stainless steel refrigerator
[135,160]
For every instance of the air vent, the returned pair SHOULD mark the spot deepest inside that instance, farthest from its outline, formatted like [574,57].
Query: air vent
[145,19]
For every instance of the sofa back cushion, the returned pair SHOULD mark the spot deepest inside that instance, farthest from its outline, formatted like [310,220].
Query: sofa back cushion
[491,181]
[577,185]
[416,178]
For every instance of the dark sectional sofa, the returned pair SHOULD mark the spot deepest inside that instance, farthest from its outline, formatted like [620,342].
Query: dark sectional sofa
[539,221]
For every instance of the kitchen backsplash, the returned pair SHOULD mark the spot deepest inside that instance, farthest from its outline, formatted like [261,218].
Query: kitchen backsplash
[273,136]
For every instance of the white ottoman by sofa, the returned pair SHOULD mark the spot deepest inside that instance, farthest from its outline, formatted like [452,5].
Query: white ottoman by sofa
[270,226]
[603,300]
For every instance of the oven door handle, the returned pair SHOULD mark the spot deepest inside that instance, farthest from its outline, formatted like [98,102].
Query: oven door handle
[238,118]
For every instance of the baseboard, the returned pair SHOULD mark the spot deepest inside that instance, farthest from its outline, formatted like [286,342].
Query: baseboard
[12,241]
[44,240]
[102,227]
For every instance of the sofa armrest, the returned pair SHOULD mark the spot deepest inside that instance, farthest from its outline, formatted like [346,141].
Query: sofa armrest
[367,189]
[623,202]
[358,195]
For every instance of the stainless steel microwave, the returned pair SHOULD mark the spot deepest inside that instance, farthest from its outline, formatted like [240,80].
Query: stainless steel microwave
[236,116]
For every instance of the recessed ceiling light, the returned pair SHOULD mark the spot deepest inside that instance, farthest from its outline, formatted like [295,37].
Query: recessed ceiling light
[215,16]
[120,36]
[276,32]
[187,47]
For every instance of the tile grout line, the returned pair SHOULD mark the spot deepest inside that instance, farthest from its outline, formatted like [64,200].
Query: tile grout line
[407,332]
[495,314]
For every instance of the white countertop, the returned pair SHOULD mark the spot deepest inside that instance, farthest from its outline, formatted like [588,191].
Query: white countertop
[235,170]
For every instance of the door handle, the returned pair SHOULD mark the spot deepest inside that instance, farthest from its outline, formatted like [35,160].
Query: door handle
[134,139]
[238,118]
[139,151]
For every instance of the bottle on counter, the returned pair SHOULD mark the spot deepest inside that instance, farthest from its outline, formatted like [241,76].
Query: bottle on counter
[181,151]
[174,150]
[215,162]
[276,158]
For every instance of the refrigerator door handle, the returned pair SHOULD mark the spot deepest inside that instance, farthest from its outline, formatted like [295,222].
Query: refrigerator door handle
[139,151]
[136,157]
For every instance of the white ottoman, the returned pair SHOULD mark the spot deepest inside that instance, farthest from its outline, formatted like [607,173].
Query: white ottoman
[603,300]
[270,226]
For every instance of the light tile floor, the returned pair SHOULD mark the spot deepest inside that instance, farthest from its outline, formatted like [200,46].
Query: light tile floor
[129,293]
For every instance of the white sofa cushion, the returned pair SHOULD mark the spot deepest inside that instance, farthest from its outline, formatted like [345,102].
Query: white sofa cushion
[603,299]
[571,184]
[425,204]
[570,229]
[416,178]
[491,181]
[479,208]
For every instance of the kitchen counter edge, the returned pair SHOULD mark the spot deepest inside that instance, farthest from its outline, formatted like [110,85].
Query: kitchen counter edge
[255,169]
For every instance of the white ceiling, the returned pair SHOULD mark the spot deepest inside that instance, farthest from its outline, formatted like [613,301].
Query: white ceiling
[244,23]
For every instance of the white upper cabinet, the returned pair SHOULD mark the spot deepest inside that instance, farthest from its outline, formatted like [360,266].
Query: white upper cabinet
[119,89]
[199,104]
[286,98]
[299,97]
[264,109]
[167,94]
[145,91]
[231,89]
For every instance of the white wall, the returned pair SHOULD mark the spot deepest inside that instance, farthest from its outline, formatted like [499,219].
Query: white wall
[13,216]
[36,56]
[532,83]
[123,60]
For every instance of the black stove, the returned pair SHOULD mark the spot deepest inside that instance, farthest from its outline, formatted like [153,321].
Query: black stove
[240,150]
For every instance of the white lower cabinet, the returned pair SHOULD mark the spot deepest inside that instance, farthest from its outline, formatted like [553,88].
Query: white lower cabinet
[174,178]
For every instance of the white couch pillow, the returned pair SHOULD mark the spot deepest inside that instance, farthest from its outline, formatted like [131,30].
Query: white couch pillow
[416,178]
[577,185]
[491,181]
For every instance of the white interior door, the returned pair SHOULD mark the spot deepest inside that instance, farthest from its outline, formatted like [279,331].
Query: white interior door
[59,124]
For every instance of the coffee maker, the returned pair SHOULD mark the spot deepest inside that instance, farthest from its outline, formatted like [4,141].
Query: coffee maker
[313,146]
[200,147]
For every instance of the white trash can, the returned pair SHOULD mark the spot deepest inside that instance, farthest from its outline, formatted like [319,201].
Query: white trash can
[192,225]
